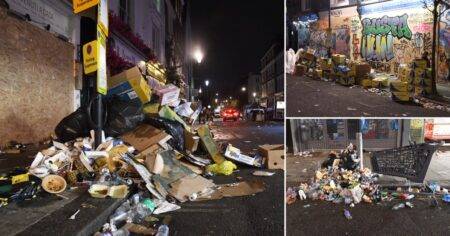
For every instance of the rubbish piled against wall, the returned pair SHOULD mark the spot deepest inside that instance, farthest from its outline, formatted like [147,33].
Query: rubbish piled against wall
[384,34]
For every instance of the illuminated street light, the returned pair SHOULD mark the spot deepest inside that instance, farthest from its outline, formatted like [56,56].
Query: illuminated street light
[254,94]
[216,100]
[217,94]
[231,97]
[198,55]
[209,106]
[206,83]
[200,90]
[243,89]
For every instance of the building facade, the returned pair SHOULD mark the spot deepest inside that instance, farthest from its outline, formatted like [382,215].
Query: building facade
[253,88]
[272,82]
[329,134]
[356,30]
[41,59]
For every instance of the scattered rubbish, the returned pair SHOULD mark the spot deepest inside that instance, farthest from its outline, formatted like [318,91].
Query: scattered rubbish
[72,217]
[347,214]
[307,206]
[224,168]
[398,206]
[54,184]
[446,198]
[235,154]
[409,204]
[263,173]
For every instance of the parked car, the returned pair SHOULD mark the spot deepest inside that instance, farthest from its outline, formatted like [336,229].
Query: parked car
[230,114]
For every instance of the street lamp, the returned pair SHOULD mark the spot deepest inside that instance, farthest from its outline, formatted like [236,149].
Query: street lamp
[243,89]
[206,83]
[217,94]
[216,100]
[254,94]
[198,55]
[231,97]
[200,90]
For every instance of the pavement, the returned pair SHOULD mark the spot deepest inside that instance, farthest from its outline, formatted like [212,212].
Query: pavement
[307,97]
[324,218]
[261,214]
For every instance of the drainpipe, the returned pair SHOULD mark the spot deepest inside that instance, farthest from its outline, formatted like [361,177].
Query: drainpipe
[329,29]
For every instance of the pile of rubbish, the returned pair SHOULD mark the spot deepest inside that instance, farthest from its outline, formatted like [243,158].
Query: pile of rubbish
[151,150]
[341,180]
[410,81]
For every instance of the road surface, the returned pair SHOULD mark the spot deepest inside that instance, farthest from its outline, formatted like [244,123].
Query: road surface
[306,97]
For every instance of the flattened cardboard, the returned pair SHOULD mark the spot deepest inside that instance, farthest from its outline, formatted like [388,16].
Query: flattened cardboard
[239,189]
[209,144]
[185,187]
[143,137]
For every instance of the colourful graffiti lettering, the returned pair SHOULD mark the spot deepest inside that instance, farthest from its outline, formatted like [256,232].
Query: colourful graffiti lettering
[396,26]
[378,36]
[377,47]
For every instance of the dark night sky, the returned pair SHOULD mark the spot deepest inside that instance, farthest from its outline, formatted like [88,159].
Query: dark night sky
[234,34]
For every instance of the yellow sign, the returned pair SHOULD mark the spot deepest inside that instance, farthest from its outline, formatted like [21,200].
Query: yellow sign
[102,35]
[102,17]
[90,57]
[102,84]
[81,5]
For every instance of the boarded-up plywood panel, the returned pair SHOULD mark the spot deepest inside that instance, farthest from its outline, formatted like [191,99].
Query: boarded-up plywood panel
[36,81]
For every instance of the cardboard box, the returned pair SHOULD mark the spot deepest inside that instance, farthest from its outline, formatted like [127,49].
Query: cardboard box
[362,70]
[143,137]
[300,70]
[399,86]
[168,94]
[235,154]
[308,56]
[130,85]
[347,81]
[420,63]
[401,96]
[274,155]
[366,83]
[338,59]
[191,141]
[380,82]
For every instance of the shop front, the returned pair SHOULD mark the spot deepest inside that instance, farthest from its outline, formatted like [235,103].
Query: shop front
[330,134]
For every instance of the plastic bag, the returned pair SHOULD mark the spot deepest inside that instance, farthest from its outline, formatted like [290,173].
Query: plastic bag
[73,126]
[290,61]
[173,128]
[123,116]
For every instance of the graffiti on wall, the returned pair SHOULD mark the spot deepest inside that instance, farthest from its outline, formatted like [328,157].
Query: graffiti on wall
[341,41]
[303,35]
[378,36]
[318,41]
[444,48]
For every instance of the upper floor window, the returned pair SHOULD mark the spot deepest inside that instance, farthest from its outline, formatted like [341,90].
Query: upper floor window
[158,5]
[306,5]
[124,11]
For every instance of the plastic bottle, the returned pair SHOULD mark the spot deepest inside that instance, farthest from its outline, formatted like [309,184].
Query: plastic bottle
[163,230]
[347,214]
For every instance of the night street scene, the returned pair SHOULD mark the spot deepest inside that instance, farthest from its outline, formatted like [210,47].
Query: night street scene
[367,58]
[141,117]
[368,176]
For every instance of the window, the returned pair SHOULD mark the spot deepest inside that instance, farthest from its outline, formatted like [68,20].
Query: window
[156,39]
[336,129]
[124,11]
[311,130]
[306,5]
[158,5]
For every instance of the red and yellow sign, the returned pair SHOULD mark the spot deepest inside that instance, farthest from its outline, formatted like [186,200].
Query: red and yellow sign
[81,5]
[90,57]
